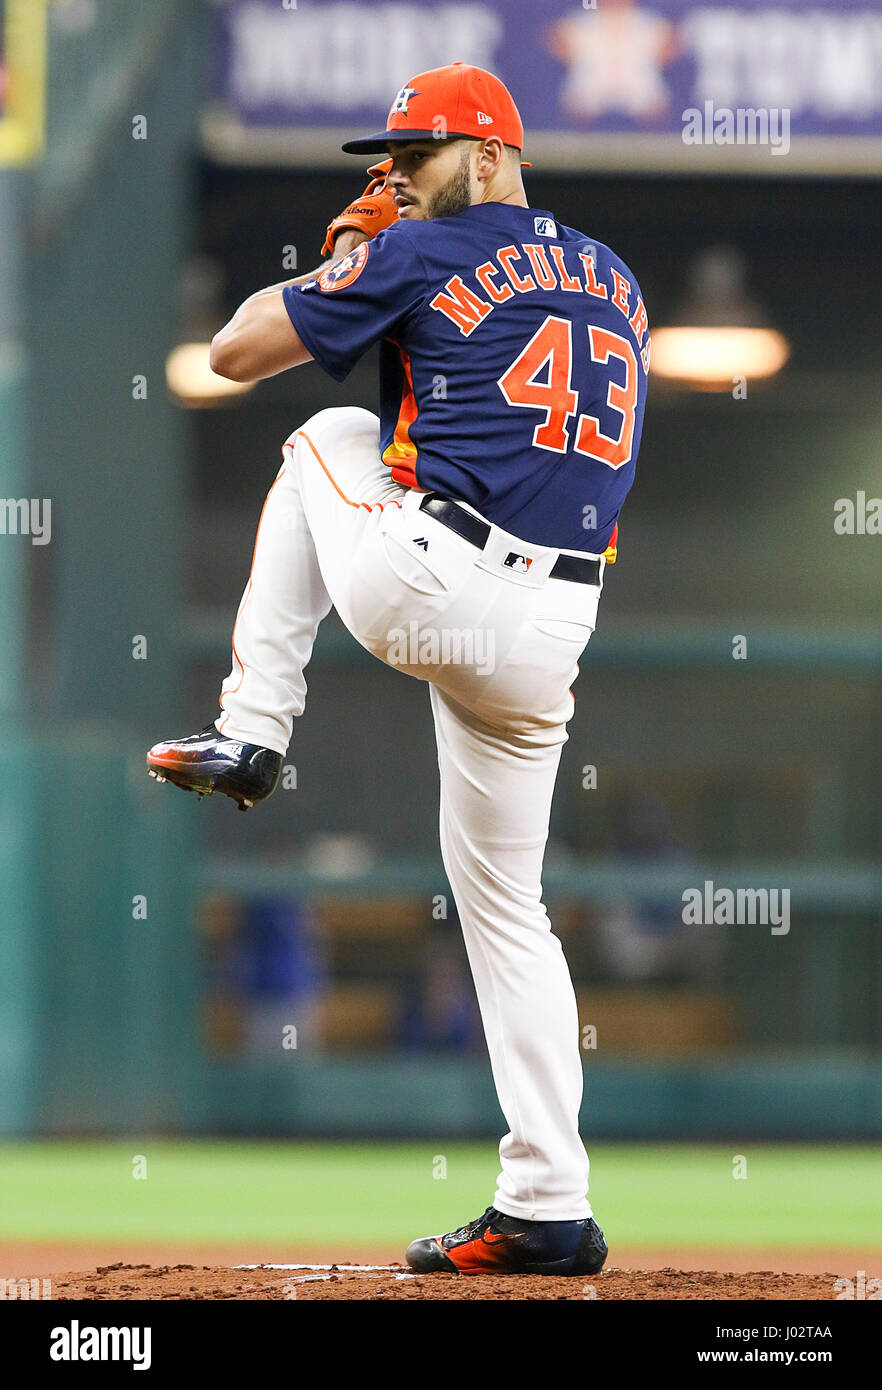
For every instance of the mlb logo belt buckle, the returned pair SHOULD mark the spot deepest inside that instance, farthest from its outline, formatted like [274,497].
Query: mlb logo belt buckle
[578,569]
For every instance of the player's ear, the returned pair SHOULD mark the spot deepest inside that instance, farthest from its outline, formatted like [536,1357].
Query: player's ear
[491,153]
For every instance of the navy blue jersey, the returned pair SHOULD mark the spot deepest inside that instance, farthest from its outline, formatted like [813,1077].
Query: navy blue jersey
[514,357]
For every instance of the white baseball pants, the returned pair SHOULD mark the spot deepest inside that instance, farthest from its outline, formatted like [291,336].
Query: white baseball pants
[498,646]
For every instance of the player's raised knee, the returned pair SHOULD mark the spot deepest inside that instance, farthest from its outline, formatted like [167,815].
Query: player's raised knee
[334,424]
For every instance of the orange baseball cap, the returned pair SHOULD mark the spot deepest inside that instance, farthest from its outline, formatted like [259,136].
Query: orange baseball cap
[458,101]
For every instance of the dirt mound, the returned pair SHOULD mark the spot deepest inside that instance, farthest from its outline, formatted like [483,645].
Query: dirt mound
[120,1282]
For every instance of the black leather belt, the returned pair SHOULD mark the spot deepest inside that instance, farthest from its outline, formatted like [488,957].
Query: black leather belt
[577,568]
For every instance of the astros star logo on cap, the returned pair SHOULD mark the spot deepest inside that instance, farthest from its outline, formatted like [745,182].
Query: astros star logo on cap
[400,102]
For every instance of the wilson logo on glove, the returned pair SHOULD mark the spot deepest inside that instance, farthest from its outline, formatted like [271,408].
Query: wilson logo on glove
[371,213]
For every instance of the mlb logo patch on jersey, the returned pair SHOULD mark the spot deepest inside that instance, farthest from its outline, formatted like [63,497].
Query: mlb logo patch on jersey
[521,563]
[545,226]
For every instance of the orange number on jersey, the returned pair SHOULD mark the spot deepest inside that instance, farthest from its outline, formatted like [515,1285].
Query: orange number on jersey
[552,344]
[589,439]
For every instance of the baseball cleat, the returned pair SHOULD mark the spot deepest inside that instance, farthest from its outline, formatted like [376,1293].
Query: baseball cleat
[207,762]
[500,1244]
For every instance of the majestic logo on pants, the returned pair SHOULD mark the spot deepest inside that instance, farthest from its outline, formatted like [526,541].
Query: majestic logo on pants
[521,563]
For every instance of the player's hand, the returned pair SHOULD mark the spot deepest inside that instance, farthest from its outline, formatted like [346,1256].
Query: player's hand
[371,213]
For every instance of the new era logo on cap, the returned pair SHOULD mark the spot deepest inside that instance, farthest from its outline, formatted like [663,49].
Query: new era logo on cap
[484,119]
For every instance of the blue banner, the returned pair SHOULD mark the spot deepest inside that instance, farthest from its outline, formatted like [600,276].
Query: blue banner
[665,68]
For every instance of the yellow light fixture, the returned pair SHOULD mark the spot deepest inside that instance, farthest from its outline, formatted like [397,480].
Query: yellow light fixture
[711,359]
[718,336]
[192,382]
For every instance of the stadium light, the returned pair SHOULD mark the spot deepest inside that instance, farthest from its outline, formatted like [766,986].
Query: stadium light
[188,374]
[717,335]
[192,382]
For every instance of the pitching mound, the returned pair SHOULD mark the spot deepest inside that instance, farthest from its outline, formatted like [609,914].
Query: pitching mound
[343,1282]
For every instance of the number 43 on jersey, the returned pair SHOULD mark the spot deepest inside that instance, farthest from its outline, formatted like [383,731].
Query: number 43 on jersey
[550,351]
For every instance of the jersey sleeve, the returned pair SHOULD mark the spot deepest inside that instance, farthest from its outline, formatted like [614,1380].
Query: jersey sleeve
[363,297]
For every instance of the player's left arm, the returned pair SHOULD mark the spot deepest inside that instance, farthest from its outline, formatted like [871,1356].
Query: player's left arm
[260,340]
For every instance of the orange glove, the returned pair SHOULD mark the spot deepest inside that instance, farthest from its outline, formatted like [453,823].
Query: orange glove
[371,213]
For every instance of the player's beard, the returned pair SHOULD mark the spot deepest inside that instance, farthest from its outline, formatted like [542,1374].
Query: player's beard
[456,194]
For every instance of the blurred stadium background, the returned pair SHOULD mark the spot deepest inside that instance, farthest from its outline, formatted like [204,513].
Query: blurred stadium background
[161,161]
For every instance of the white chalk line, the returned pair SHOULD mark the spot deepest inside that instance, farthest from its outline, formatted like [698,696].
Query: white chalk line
[385,1269]
[312,1277]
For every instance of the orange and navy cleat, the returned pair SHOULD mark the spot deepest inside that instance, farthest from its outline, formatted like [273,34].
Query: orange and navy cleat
[500,1244]
[207,762]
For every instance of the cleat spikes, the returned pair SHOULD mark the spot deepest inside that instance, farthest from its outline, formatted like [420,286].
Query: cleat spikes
[206,762]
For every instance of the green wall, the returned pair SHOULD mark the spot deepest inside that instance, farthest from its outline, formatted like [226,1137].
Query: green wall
[96,1002]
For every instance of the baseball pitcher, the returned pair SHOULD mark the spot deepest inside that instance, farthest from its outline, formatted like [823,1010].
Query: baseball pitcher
[462,536]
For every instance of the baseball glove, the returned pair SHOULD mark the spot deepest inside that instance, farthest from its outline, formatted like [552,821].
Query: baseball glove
[371,213]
